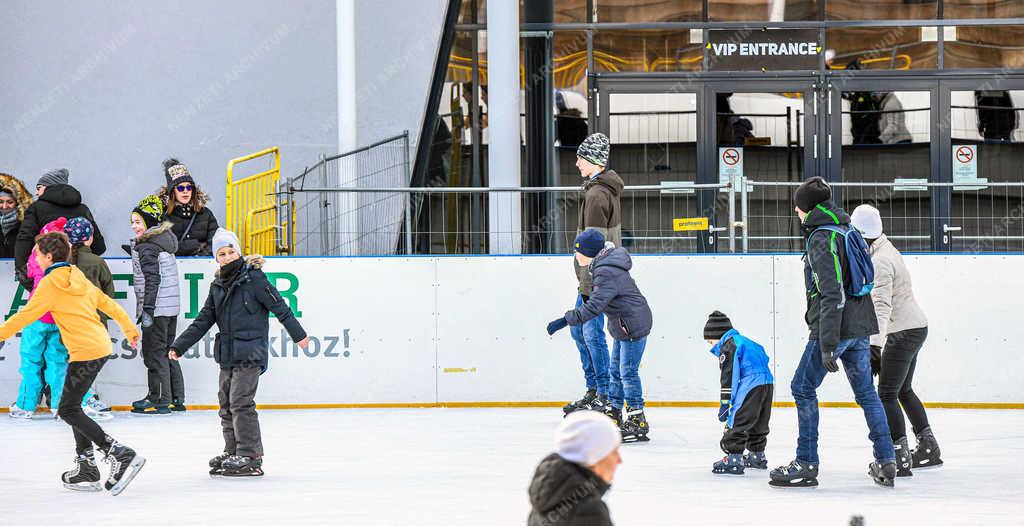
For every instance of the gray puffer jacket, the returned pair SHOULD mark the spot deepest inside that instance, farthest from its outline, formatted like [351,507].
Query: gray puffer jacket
[156,271]
[615,294]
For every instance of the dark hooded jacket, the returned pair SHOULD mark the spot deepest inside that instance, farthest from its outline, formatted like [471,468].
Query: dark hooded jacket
[196,240]
[615,294]
[563,493]
[832,315]
[60,200]
[240,305]
[601,210]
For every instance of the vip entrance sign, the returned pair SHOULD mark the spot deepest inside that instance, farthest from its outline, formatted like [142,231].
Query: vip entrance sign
[763,49]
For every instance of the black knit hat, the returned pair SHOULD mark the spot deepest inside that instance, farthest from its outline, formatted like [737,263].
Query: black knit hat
[176,173]
[813,192]
[718,324]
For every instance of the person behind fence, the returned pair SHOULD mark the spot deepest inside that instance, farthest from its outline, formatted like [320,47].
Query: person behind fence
[57,198]
[74,302]
[903,329]
[185,207]
[601,210]
[568,485]
[240,302]
[14,200]
[629,320]
[841,318]
[745,402]
[157,303]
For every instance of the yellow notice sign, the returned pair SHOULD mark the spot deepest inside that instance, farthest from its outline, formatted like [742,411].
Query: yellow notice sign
[685,224]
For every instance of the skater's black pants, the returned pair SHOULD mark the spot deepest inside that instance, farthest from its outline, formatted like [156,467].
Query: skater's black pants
[164,374]
[238,418]
[899,360]
[750,423]
[79,378]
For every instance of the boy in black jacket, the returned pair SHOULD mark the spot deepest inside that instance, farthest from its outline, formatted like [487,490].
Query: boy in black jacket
[240,301]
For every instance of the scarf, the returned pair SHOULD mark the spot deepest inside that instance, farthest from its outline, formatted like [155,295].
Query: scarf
[9,220]
[230,271]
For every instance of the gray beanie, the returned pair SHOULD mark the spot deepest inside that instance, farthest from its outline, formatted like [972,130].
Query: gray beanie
[595,149]
[225,238]
[54,177]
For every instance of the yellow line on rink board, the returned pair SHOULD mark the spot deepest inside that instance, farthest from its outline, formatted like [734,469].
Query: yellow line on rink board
[429,405]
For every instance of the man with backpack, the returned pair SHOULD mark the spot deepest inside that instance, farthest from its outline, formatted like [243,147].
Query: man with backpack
[841,317]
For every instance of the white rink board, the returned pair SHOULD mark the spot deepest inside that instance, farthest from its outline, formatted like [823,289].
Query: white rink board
[471,329]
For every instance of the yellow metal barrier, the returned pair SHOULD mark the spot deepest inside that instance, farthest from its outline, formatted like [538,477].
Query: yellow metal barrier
[252,204]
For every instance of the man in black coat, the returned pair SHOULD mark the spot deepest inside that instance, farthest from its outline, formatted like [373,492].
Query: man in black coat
[57,198]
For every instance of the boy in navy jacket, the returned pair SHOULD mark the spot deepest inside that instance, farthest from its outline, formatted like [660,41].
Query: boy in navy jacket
[746,396]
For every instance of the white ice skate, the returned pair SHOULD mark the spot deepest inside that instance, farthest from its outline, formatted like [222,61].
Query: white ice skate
[18,413]
[96,415]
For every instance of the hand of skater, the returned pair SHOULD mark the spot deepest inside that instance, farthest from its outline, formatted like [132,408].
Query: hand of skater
[876,359]
[134,343]
[303,343]
[557,325]
[146,320]
[828,359]
[723,410]
[172,354]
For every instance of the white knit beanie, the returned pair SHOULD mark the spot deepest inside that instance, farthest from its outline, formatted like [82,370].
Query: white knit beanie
[586,437]
[223,238]
[867,219]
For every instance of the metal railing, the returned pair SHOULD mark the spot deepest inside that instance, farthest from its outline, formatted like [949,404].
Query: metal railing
[251,211]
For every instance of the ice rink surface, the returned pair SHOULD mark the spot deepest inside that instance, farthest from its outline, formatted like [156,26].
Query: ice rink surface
[472,466]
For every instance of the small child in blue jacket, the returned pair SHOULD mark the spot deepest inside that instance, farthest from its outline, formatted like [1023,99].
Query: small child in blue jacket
[746,400]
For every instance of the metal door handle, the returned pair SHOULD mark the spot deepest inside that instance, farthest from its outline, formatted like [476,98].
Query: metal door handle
[947,228]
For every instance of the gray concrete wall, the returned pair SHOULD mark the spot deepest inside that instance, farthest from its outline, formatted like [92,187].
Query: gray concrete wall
[109,89]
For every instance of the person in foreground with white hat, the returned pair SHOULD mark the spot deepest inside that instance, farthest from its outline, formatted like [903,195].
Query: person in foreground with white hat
[569,484]
[902,330]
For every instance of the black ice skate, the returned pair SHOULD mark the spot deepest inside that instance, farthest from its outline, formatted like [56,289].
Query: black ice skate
[883,473]
[85,476]
[615,414]
[926,454]
[124,465]
[732,464]
[634,426]
[147,407]
[177,405]
[903,459]
[241,466]
[755,460]
[582,403]
[796,475]
[217,464]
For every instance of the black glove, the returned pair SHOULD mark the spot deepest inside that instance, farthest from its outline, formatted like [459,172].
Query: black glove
[189,247]
[876,359]
[828,359]
[146,319]
[723,410]
[22,277]
[557,325]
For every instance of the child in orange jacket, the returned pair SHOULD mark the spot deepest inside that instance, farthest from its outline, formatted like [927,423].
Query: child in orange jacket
[73,301]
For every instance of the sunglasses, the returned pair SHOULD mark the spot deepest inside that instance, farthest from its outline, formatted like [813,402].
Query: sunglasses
[184,187]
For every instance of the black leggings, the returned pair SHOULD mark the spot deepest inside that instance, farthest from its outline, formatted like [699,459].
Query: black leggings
[899,359]
[79,378]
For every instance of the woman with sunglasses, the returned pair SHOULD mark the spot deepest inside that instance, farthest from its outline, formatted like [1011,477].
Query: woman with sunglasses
[194,223]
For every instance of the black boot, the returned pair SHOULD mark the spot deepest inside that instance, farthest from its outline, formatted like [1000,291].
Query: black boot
[634,426]
[242,466]
[883,473]
[797,474]
[124,465]
[582,403]
[85,476]
[903,459]
[926,454]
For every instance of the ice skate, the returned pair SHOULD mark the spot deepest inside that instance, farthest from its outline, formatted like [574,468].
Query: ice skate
[903,458]
[883,473]
[96,415]
[85,476]
[18,413]
[124,466]
[731,464]
[582,403]
[796,475]
[634,426]
[217,464]
[97,404]
[242,466]
[927,454]
[177,405]
[147,407]
[755,460]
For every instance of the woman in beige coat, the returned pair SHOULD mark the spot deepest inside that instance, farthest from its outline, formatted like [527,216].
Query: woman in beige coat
[902,330]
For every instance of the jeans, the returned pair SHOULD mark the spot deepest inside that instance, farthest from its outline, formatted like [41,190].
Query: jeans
[163,374]
[238,419]
[81,375]
[41,344]
[899,359]
[593,349]
[625,381]
[856,357]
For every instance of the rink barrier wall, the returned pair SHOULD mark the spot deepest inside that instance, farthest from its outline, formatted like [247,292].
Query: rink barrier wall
[461,331]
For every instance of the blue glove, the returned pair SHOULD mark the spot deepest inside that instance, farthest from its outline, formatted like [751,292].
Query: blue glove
[723,411]
[557,325]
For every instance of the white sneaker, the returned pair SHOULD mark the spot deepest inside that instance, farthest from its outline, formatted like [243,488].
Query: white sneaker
[16,412]
[97,404]
[94,414]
